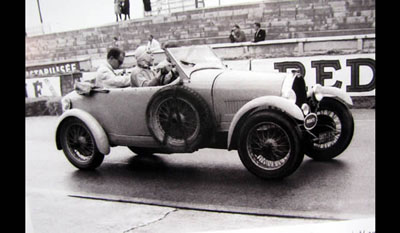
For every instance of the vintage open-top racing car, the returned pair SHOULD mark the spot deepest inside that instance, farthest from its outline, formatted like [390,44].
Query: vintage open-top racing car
[269,118]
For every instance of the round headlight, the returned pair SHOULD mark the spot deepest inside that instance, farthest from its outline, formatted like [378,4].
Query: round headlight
[66,104]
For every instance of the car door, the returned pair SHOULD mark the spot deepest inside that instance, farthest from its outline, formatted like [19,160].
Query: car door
[122,111]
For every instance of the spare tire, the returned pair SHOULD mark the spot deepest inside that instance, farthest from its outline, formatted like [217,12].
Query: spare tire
[179,119]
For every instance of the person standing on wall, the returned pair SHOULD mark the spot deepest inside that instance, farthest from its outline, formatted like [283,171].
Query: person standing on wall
[117,9]
[147,7]
[260,34]
[125,9]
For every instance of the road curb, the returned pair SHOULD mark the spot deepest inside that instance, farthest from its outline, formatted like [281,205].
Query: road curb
[222,208]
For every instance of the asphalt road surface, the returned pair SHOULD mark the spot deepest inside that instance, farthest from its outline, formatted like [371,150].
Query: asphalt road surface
[210,179]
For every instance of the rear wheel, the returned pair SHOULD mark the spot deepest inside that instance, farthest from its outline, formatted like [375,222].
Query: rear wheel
[79,145]
[270,145]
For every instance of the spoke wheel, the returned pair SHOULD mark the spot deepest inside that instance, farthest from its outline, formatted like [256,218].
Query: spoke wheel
[269,144]
[79,145]
[179,119]
[333,132]
[328,129]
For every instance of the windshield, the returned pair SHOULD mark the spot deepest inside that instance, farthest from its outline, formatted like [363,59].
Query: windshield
[193,58]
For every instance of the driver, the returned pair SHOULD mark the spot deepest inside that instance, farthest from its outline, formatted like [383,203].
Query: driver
[143,75]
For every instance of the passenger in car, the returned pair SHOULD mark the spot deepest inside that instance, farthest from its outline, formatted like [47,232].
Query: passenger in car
[106,75]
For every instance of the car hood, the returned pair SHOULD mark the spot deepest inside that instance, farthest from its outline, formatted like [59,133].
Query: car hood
[247,85]
[232,89]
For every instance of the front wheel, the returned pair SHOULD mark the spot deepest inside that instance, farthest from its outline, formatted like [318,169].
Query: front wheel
[79,145]
[270,145]
[333,132]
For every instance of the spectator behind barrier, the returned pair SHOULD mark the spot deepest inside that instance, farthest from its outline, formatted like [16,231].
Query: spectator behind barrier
[260,34]
[237,35]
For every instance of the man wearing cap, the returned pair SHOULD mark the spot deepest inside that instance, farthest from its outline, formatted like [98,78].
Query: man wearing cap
[142,75]
[106,75]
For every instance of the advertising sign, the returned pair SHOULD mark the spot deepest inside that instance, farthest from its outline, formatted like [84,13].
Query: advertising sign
[353,73]
[51,69]
[38,87]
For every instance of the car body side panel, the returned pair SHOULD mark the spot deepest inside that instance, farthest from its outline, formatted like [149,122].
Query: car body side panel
[202,82]
[121,112]
[233,89]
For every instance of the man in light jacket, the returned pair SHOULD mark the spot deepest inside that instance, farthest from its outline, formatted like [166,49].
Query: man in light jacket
[153,44]
[106,75]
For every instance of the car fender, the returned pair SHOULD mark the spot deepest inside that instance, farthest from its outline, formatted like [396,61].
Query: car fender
[94,126]
[278,102]
[332,92]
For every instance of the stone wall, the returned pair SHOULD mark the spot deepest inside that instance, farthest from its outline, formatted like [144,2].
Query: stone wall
[282,20]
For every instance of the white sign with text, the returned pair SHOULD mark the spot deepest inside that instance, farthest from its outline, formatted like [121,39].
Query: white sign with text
[353,73]
[38,87]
